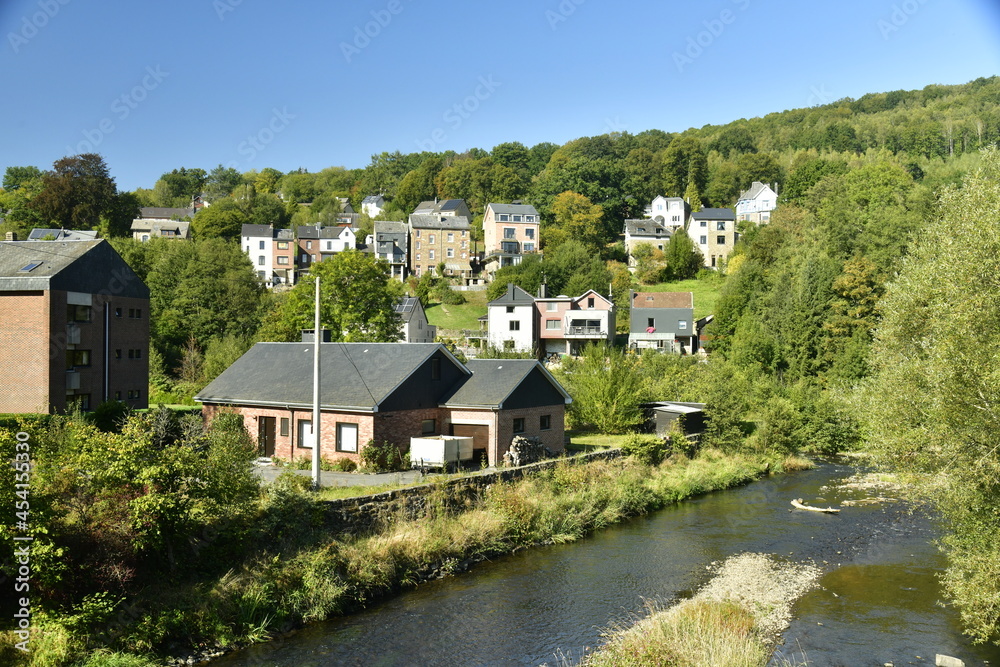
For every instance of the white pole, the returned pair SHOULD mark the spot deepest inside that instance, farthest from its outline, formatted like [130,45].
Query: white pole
[317,339]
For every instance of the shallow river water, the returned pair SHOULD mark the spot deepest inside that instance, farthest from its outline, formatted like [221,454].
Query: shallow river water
[878,601]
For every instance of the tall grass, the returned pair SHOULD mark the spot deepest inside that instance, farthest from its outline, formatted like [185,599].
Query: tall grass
[299,573]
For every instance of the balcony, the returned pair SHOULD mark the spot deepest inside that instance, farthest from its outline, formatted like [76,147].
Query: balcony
[590,329]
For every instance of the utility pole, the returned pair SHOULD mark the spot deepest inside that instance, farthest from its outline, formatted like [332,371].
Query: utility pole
[317,341]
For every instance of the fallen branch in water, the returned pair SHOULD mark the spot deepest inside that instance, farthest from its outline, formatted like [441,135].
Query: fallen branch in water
[797,503]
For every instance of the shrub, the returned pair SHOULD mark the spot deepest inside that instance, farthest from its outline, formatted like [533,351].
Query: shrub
[448,296]
[647,449]
[344,464]
[384,457]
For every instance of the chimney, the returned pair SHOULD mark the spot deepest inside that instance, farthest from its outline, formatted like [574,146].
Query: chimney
[11,236]
[543,291]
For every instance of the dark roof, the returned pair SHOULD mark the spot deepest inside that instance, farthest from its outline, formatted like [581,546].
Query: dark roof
[755,189]
[519,209]
[407,306]
[634,227]
[714,214]
[372,199]
[62,234]
[494,380]
[257,230]
[513,296]
[663,300]
[310,232]
[358,376]
[92,267]
[164,213]
[439,221]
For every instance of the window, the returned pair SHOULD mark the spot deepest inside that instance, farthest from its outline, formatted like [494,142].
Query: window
[703,223]
[418,233]
[463,244]
[703,240]
[463,234]
[131,354]
[418,245]
[261,245]
[118,396]
[305,434]
[682,325]
[78,313]
[282,260]
[515,325]
[515,218]
[529,247]
[428,426]
[551,324]
[451,237]
[463,255]
[721,240]
[650,323]
[329,245]
[510,309]
[418,256]
[503,217]
[75,358]
[309,245]
[519,425]
[551,306]
[118,312]
[435,368]
[450,252]
[530,233]
[675,218]
[509,233]
[430,238]
[260,260]
[83,400]
[138,313]
[282,245]
[430,254]
[284,427]
[590,302]
[347,437]
[545,422]
[118,354]
[313,257]
[721,226]
[529,218]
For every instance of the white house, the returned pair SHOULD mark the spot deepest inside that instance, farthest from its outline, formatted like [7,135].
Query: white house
[512,320]
[257,242]
[372,205]
[416,328]
[668,211]
[755,205]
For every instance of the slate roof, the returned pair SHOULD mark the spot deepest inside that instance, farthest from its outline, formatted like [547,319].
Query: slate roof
[493,381]
[519,209]
[755,189]
[663,300]
[372,199]
[358,376]
[714,214]
[648,227]
[436,207]
[156,226]
[310,232]
[418,221]
[257,231]
[514,296]
[407,307]
[91,267]
[165,213]
[62,234]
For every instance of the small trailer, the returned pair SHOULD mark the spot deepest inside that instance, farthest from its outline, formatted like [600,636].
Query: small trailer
[440,451]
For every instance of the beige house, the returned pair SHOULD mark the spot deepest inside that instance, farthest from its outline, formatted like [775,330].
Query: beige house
[713,231]
[510,231]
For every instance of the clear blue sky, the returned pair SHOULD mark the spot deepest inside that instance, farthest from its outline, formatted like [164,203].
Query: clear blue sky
[155,86]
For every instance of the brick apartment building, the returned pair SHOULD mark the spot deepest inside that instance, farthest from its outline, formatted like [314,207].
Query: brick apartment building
[74,327]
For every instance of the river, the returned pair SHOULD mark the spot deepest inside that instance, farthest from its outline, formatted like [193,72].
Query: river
[878,601]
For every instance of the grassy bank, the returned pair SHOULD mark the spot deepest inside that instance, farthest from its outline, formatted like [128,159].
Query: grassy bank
[300,574]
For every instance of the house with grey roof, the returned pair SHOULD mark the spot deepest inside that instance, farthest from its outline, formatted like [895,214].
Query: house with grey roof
[447,207]
[416,328]
[510,231]
[663,321]
[756,203]
[61,235]
[512,321]
[272,252]
[438,238]
[392,242]
[74,323]
[385,392]
[650,231]
[316,242]
[144,229]
[372,205]
[713,231]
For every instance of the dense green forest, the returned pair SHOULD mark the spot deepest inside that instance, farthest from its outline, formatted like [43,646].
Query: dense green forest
[875,278]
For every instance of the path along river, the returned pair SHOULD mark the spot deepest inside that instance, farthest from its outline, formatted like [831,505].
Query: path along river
[878,602]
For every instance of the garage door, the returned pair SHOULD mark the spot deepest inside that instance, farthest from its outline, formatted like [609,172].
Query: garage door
[480,434]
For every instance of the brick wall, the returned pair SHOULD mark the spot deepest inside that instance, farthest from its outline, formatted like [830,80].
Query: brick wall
[24,346]
[553,438]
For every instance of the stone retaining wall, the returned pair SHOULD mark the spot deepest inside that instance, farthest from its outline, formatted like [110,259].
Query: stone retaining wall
[361,514]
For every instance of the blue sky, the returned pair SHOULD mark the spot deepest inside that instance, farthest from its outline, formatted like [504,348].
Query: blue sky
[197,83]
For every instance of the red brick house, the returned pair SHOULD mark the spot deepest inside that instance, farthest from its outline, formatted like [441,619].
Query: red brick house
[74,327]
[386,392]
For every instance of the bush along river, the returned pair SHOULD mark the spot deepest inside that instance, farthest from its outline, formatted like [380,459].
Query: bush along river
[878,601]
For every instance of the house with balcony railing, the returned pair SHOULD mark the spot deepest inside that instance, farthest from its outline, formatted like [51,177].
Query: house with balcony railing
[510,231]
[568,323]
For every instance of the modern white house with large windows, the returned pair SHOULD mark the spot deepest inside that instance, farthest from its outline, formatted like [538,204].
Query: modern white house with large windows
[668,211]
[510,231]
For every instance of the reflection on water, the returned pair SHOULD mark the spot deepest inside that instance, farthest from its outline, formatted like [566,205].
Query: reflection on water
[552,604]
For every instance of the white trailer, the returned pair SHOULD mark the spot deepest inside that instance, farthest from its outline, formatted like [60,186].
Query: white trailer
[440,451]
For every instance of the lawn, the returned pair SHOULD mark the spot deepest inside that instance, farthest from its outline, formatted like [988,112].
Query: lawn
[705,293]
[465,316]
[586,441]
